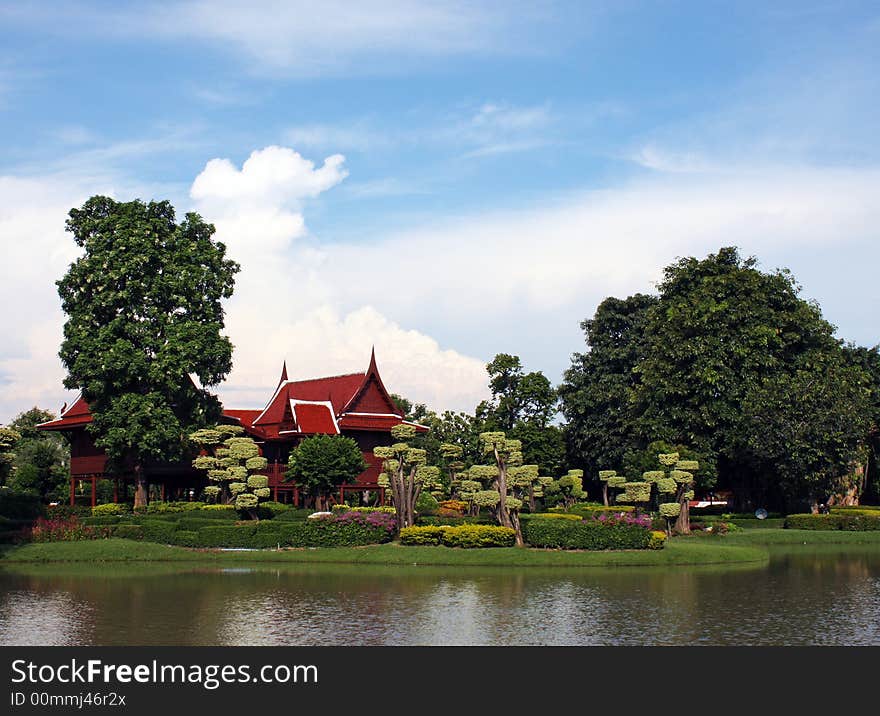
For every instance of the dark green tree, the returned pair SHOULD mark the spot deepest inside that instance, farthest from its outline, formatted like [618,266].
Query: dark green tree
[523,405]
[867,360]
[804,429]
[598,390]
[321,463]
[144,312]
[720,329]
[40,466]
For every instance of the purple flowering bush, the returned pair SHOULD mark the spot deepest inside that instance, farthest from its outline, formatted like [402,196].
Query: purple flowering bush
[346,529]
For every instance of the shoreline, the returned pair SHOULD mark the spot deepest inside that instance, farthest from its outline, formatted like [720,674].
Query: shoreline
[747,547]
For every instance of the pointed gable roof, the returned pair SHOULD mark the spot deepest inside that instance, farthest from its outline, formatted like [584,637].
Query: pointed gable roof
[371,395]
[77,414]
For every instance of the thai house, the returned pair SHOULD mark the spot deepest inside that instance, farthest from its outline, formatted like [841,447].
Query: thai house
[354,404]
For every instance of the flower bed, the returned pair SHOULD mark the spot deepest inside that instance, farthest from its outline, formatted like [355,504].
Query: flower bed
[64,529]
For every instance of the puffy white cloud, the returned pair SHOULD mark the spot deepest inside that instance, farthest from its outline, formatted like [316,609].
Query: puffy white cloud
[284,307]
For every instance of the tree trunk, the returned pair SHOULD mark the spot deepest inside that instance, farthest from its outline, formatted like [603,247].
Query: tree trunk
[531,498]
[514,518]
[683,522]
[140,485]
[605,493]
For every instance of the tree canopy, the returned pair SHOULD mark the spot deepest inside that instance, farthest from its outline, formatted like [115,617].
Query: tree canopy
[321,463]
[523,405]
[39,466]
[144,312]
[713,363]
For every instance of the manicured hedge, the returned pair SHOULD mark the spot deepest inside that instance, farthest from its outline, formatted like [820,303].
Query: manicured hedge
[590,510]
[552,516]
[185,538]
[421,535]
[435,521]
[101,520]
[160,507]
[467,536]
[196,523]
[110,508]
[127,531]
[338,531]
[834,521]
[19,507]
[588,534]
[161,531]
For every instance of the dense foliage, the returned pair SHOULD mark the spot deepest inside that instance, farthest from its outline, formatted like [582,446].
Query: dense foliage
[467,536]
[321,463]
[143,305]
[38,459]
[232,463]
[623,531]
[710,363]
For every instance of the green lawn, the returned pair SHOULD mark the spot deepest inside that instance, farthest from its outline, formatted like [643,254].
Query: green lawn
[770,537]
[744,547]
[678,552]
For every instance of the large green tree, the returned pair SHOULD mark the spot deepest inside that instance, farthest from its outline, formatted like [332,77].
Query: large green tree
[321,463]
[598,389]
[144,312]
[706,364]
[804,429]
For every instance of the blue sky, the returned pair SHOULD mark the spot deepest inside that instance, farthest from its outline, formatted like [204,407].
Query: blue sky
[496,168]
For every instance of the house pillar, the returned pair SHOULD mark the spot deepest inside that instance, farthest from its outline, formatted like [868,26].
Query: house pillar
[94,493]
[72,490]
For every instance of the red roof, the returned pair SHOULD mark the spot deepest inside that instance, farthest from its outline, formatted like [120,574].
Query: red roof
[338,389]
[364,421]
[354,401]
[76,415]
[314,418]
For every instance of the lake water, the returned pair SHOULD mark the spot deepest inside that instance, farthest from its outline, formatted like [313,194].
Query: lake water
[800,597]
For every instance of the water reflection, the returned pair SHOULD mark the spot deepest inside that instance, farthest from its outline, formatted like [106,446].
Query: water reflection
[799,598]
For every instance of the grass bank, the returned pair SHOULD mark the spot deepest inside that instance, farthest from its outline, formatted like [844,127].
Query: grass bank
[773,537]
[678,552]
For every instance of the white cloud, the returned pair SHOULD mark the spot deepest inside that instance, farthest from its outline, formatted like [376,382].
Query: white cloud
[304,38]
[285,308]
[556,262]
[518,280]
[36,251]
[309,38]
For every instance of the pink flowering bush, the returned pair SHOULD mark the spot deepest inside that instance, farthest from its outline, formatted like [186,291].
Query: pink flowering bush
[64,529]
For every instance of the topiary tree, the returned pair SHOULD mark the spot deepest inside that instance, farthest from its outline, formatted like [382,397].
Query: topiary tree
[405,473]
[229,459]
[637,493]
[451,455]
[571,487]
[505,483]
[604,477]
[677,487]
[321,463]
